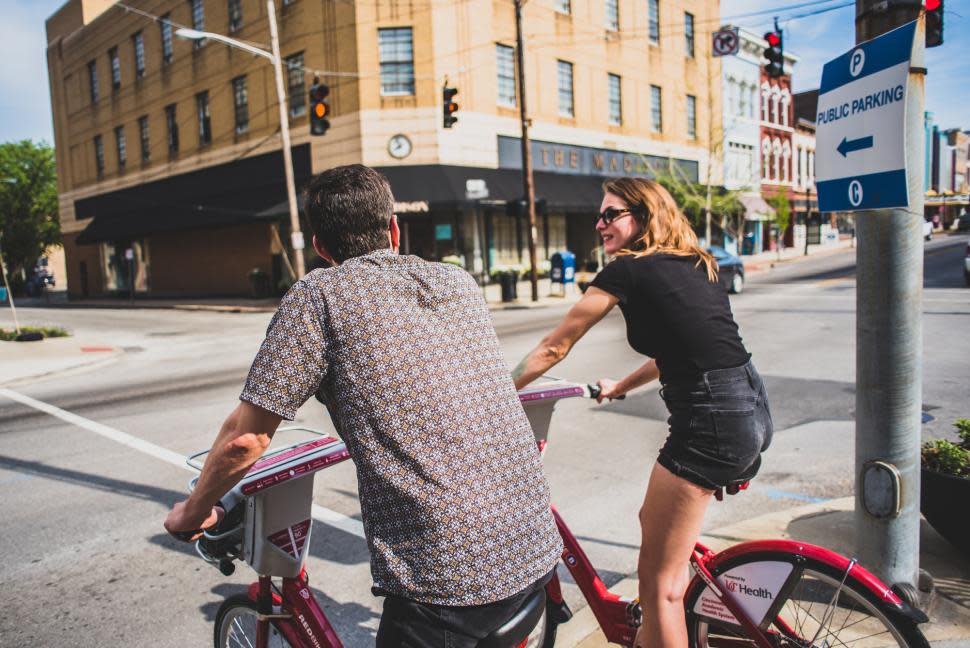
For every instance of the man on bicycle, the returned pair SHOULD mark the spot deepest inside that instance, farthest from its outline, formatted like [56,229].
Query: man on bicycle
[402,353]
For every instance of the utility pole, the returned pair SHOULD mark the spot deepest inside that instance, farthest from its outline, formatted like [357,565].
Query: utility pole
[530,194]
[296,235]
[889,343]
[808,212]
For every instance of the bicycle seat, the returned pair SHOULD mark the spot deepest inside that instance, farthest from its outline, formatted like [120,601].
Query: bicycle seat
[516,629]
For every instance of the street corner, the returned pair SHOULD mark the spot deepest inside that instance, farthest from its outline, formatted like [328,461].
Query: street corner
[28,361]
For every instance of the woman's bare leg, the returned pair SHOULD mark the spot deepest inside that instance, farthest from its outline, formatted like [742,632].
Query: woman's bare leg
[670,521]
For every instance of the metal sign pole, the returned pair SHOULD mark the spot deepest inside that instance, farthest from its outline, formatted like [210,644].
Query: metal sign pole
[889,342]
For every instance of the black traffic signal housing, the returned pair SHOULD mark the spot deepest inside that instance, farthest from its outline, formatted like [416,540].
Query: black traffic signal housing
[319,108]
[934,23]
[775,53]
[448,106]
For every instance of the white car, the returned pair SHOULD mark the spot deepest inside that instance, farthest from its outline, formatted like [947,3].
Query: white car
[927,230]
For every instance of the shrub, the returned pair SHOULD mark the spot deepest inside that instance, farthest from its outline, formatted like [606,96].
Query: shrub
[46,331]
[947,457]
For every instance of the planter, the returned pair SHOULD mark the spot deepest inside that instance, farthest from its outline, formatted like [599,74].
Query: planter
[942,502]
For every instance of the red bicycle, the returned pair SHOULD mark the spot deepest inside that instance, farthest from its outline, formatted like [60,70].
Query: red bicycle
[770,594]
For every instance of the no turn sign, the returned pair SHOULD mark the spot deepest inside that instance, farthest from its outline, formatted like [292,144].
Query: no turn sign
[725,42]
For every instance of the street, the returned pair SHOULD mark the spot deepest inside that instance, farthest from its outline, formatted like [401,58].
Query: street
[83,510]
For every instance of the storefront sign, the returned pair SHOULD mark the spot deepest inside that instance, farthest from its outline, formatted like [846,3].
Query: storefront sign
[413,207]
[584,160]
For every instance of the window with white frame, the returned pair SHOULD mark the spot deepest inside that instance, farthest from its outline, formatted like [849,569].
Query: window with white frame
[93,85]
[785,104]
[240,99]
[99,155]
[165,26]
[775,98]
[121,147]
[615,99]
[653,21]
[743,100]
[396,52]
[765,100]
[296,84]
[691,117]
[612,8]
[565,84]
[786,162]
[766,159]
[505,74]
[776,158]
[689,34]
[138,46]
[656,109]
[115,63]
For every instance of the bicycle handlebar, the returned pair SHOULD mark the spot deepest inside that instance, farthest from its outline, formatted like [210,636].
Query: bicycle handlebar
[596,390]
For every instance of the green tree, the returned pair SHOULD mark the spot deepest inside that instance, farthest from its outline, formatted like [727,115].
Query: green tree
[780,203]
[29,221]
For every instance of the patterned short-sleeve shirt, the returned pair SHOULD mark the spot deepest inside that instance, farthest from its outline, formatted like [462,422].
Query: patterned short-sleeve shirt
[403,354]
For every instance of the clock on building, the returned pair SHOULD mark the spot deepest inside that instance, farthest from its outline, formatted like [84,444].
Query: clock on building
[399,146]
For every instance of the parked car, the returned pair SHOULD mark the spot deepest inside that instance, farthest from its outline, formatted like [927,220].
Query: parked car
[927,230]
[730,269]
[40,278]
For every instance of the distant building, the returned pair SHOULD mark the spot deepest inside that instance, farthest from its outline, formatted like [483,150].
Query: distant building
[947,173]
[169,164]
[777,149]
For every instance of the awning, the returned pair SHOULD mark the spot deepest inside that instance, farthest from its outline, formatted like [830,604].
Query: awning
[935,199]
[220,196]
[755,207]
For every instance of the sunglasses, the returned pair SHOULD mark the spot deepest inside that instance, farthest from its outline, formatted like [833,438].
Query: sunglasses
[609,215]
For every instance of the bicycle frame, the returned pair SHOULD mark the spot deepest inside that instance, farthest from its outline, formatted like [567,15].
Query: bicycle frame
[300,619]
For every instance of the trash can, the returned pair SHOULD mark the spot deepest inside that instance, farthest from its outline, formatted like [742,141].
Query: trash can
[563,270]
[508,280]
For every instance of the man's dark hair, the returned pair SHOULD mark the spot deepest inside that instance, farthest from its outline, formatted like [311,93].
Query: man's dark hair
[349,208]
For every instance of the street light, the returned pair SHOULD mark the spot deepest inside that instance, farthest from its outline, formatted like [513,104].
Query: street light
[296,235]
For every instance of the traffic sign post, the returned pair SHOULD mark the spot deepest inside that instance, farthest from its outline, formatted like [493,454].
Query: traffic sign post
[860,142]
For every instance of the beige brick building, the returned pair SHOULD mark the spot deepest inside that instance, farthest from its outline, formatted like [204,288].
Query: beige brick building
[168,151]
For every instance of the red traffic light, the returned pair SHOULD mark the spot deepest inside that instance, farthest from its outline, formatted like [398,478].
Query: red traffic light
[933,5]
[773,38]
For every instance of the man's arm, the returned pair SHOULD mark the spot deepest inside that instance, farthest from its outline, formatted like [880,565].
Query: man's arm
[245,435]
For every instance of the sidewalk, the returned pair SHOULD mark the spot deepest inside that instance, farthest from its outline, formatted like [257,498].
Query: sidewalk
[829,524]
[765,260]
[24,361]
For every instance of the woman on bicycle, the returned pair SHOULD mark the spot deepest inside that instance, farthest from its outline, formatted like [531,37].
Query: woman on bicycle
[679,316]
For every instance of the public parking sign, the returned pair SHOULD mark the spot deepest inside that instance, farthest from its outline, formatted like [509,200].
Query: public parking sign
[860,143]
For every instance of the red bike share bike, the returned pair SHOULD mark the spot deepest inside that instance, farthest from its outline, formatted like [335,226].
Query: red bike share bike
[769,594]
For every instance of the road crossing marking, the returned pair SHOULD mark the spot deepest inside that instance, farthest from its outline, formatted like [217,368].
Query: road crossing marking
[320,513]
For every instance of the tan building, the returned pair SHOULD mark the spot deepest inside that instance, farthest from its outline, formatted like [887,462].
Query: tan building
[168,150]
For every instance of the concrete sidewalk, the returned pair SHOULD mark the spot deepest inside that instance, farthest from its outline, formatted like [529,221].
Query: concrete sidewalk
[24,361]
[828,524]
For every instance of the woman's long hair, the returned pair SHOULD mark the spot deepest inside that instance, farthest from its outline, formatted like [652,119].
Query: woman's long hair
[664,228]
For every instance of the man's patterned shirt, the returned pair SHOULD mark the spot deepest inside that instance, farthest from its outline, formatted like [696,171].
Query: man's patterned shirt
[403,354]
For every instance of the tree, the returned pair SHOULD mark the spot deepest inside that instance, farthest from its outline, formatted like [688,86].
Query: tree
[780,203]
[29,220]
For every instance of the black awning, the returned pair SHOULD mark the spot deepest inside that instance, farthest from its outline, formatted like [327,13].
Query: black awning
[226,194]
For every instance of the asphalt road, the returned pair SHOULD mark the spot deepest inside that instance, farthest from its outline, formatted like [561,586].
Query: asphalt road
[82,512]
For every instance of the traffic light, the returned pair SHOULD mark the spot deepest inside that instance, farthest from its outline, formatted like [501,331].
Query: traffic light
[319,108]
[775,54]
[934,23]
[448,106]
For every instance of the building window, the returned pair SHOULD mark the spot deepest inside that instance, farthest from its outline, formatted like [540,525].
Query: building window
[93,81]
[743,100]
[616,106]
[396,51]
[505,66]
[198,20]
[115,64]
[172,127]
[562,6]
[296,84]
[656,109]
[691,117]
[99,155]
[166,28]
[689,33]
[138,45]
[653,21]
[565,77]
[235,15]
[202,112]
[146,150]
[240,98]
[121,145]
[613,15]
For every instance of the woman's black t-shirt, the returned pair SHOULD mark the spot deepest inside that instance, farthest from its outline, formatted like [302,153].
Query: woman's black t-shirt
[674,314]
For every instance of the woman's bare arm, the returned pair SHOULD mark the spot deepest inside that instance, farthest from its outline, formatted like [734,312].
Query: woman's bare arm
[593,307]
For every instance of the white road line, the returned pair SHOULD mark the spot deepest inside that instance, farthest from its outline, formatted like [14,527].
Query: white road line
[320,513]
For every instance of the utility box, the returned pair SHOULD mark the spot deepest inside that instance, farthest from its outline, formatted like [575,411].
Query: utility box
[562,271]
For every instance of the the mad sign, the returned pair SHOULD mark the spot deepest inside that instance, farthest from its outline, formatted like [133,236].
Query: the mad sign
[860,143]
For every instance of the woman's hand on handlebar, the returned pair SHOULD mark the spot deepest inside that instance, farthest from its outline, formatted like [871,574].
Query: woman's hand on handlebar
[187,525]
[608,390]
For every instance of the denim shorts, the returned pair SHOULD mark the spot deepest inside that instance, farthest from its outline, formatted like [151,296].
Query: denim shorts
[719,426]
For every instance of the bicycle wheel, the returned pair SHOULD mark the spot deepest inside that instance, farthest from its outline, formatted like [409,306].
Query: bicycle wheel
[236,625]
[820,611]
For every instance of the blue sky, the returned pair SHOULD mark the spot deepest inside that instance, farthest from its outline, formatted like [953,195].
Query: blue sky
[25,99]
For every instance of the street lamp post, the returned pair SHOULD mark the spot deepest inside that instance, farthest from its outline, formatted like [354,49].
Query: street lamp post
[296,234]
